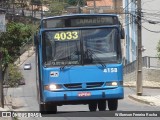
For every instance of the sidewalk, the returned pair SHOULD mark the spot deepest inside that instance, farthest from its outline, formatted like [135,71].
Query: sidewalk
[149,98]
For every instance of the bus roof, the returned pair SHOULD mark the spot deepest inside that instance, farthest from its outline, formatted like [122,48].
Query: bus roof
[74,15]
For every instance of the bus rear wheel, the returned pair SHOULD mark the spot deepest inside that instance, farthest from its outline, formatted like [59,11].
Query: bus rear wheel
[92,106]
[112,104]
[102,105]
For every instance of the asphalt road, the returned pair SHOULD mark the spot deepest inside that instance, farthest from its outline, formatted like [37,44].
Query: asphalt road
[27,94]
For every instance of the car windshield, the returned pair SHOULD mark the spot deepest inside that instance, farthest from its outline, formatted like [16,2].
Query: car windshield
[74,47]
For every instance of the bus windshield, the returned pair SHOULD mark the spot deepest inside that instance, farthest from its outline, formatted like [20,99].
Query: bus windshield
[76,47]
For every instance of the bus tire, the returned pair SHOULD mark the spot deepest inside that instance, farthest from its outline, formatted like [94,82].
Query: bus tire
[102,105]
[51,108]
[112,104]
[42,109]
[48,109]
[92,106]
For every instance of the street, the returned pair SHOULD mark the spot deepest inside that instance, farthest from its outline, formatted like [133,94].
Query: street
[27,95]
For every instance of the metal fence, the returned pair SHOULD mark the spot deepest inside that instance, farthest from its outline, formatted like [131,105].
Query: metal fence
[148,62]
[151,62]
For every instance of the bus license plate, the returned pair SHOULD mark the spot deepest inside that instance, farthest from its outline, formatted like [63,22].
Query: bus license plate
[84,94]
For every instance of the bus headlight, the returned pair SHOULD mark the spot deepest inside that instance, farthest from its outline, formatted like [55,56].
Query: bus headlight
[52,87]
[112,84]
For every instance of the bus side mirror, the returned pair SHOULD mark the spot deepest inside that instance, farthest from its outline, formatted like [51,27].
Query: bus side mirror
[122,33]
[35,40]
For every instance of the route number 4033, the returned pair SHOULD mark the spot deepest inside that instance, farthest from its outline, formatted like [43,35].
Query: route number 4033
[69,35]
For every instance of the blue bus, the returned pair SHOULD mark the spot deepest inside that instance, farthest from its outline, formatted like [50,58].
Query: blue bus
[79,61]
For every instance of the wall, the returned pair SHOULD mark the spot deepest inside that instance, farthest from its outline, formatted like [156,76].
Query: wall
[151,74]
[148,74]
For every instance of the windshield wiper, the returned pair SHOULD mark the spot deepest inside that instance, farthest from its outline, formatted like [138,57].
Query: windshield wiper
[62,67]
[99,61]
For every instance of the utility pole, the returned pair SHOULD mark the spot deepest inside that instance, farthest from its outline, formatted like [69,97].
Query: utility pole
[94,3]
[139,51]
[78,7]
[1,83]
[115,6]
[2,29]
[42,10]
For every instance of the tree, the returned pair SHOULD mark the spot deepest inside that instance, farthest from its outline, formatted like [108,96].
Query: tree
[12,40]
[56,8]
[75,2]
[158,49]
[36,2]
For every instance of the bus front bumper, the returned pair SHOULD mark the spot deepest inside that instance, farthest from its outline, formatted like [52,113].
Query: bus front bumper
[116,93]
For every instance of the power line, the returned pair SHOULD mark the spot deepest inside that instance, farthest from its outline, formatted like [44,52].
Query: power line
[148,29]
[149,21]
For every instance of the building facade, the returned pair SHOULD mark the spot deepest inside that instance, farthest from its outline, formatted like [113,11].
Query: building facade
[130,25]
[150,28]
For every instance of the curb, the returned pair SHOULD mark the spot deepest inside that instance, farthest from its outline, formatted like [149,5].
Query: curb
[133,97]
[152,87]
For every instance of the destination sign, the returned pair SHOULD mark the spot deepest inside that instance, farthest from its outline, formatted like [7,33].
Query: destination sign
[80,21]
[93,21]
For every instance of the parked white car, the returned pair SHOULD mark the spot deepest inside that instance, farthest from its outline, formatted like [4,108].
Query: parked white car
[27,66]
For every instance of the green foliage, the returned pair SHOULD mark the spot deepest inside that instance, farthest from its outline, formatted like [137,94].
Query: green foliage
[72,2]
[11,40]
[158,49]
[56,8]
[36,2]
[14,75]
[75,2]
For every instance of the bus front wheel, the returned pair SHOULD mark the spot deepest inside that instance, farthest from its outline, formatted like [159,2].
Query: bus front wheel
[48,108]
[102,105]
[112,104]
[92,106]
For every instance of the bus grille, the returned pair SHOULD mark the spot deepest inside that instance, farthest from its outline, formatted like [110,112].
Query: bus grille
[93,85]
[73,86]
[88,85]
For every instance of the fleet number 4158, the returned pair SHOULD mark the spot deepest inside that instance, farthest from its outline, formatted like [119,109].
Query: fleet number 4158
[112,70]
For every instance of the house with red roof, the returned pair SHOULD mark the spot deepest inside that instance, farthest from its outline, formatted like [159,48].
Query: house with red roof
[103,6]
